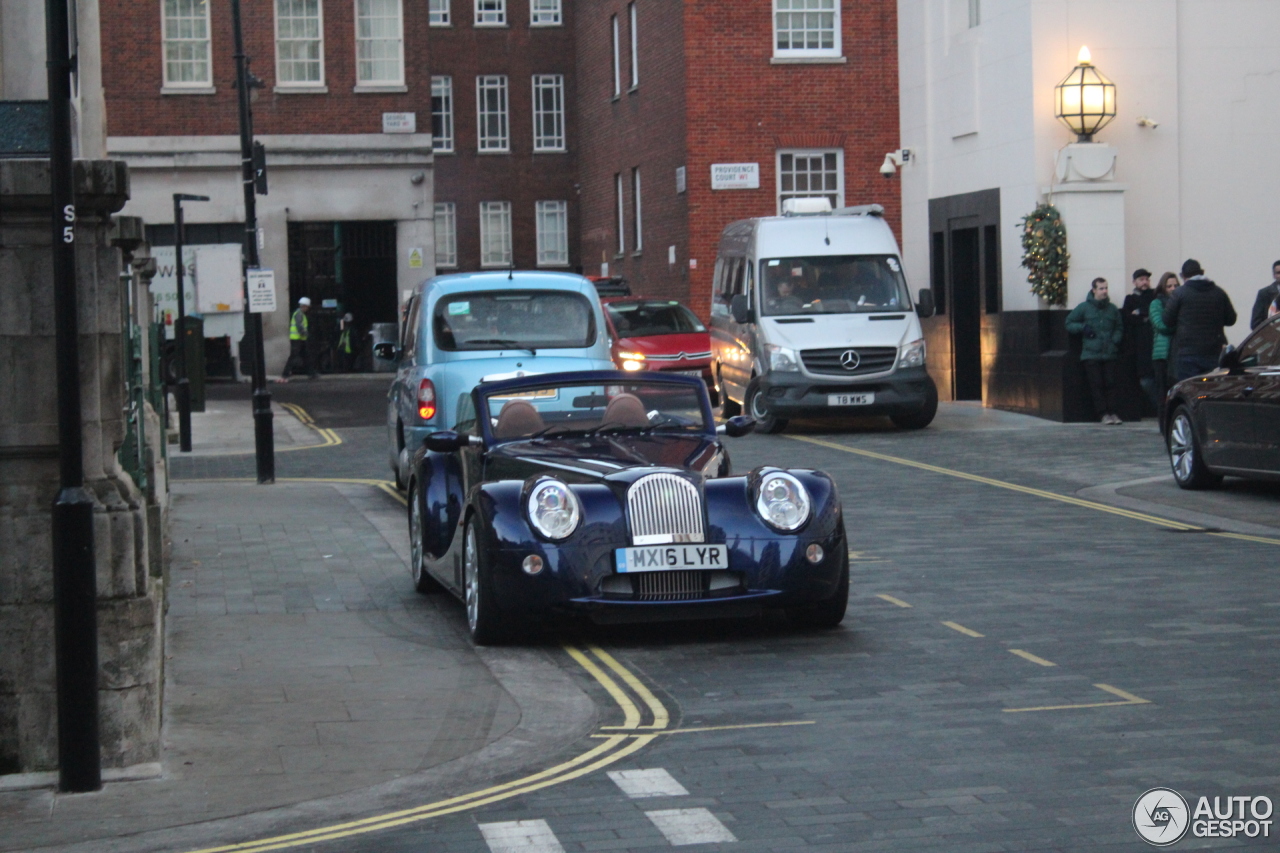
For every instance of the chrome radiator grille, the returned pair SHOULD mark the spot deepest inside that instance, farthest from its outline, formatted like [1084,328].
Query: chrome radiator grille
[663,586]
[664,508]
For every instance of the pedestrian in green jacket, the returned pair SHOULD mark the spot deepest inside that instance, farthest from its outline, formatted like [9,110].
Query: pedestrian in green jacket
[1102,328]
[1163,338]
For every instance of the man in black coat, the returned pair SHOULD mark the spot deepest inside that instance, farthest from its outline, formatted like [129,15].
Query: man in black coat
[1266,296]
[1197,313]
[1136,349]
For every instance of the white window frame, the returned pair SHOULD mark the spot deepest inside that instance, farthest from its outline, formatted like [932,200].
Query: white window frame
[442,88]
[809,193]
[398,39]
[439,14]
[545,13]
[446,234]
[198,44]
[635,46]
[491,13]
[501,142]
[803,8]
[553,141]
[617,59]
[637,230]
[622,213]
[495,214]
[552,219]
[282,83]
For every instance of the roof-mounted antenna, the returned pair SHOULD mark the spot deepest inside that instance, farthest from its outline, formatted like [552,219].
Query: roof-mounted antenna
[511,271]
[826,231]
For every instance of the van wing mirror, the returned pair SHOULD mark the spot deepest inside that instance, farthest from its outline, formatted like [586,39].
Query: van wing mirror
[740,310]
[386,351]
[924,305]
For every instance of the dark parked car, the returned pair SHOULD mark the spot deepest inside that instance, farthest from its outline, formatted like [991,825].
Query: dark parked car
[609,493]
[1228,421]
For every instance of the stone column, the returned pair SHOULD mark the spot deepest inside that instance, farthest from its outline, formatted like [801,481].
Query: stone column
[130,598]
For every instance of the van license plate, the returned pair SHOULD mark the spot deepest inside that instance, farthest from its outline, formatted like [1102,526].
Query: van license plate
[851,399]
[661,558]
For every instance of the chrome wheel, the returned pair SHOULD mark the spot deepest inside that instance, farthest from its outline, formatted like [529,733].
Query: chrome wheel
[1182,448]
[415,537]
[471,577]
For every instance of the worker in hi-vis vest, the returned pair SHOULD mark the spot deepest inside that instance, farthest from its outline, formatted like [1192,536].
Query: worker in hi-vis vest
[299,352]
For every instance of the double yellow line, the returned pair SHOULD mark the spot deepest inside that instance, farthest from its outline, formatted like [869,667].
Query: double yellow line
[1039,493]
[328,436]
[630,737]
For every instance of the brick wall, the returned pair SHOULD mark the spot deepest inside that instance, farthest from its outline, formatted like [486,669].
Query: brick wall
[133,75]
[742,108]
[643,127]
[521,177]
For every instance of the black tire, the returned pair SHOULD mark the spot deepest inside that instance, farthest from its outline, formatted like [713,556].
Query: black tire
[1185,456]
[422,580]
[765,422]
[922,418]
[484,622]
[828,613]
[728,408]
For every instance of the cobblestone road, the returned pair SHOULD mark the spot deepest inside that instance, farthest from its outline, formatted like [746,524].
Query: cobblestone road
[934,718]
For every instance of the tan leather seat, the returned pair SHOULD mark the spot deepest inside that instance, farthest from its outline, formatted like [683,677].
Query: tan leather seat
[625,410]
[518,419]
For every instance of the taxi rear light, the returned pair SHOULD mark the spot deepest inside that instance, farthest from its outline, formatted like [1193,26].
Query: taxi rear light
[426,400]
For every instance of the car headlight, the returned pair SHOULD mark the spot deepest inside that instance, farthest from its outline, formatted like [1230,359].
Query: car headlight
[553,509]
[782,360]
[912,354]
[783,502]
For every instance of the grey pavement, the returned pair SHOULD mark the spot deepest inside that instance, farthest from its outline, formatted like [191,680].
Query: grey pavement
[306,680]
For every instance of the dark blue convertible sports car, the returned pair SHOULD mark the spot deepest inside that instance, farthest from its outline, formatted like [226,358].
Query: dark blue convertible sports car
[610,494]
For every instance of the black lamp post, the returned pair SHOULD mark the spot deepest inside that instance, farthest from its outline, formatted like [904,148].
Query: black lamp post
[75,590]
[254,180]
[180,333]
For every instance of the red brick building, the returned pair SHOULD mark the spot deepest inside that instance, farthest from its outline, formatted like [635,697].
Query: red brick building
[563,135]
[806,90]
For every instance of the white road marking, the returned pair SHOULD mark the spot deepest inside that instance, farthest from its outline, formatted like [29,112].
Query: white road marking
[690,826]
[520,836]
[655,782]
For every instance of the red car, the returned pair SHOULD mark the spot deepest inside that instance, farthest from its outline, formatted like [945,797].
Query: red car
[658,334]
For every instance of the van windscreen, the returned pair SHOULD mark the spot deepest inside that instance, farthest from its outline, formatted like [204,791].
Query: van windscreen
[832,284]
[511,319]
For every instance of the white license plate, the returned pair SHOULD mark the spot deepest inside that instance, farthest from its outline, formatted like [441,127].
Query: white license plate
[669,558]
[697,373]
[851,399]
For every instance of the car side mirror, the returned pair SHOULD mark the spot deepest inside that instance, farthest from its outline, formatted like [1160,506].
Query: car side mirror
[1230,360]
[736,427]
[740,310]
[386,351]
[449,441]
[924,305]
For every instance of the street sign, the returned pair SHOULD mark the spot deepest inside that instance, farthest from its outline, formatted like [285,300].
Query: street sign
[735,176]
[262,290]
[399,122]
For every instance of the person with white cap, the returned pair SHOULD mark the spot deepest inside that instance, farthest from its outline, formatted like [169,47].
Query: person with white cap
[299,353]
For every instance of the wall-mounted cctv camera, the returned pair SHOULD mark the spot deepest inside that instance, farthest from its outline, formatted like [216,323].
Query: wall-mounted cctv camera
[417,178]
[1143,121]
[894,160]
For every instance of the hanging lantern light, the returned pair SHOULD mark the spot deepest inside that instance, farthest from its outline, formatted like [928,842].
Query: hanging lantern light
[1085,101]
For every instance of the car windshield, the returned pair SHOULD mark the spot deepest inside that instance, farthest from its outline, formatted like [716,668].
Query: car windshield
[652,317]
[838,284]
[514,319]
[558,409]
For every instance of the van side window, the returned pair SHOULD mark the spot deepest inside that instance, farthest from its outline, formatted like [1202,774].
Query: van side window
[736,275]
[749,285]
[718,296]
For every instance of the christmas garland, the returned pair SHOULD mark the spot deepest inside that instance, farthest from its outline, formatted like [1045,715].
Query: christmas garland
[1044,253]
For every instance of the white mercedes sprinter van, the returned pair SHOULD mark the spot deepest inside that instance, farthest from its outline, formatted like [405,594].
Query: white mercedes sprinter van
[811,317]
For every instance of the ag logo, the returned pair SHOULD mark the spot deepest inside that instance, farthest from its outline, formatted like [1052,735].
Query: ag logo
[1161,817]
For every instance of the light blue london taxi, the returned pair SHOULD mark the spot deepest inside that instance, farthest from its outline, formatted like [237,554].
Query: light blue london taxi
[465,328]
